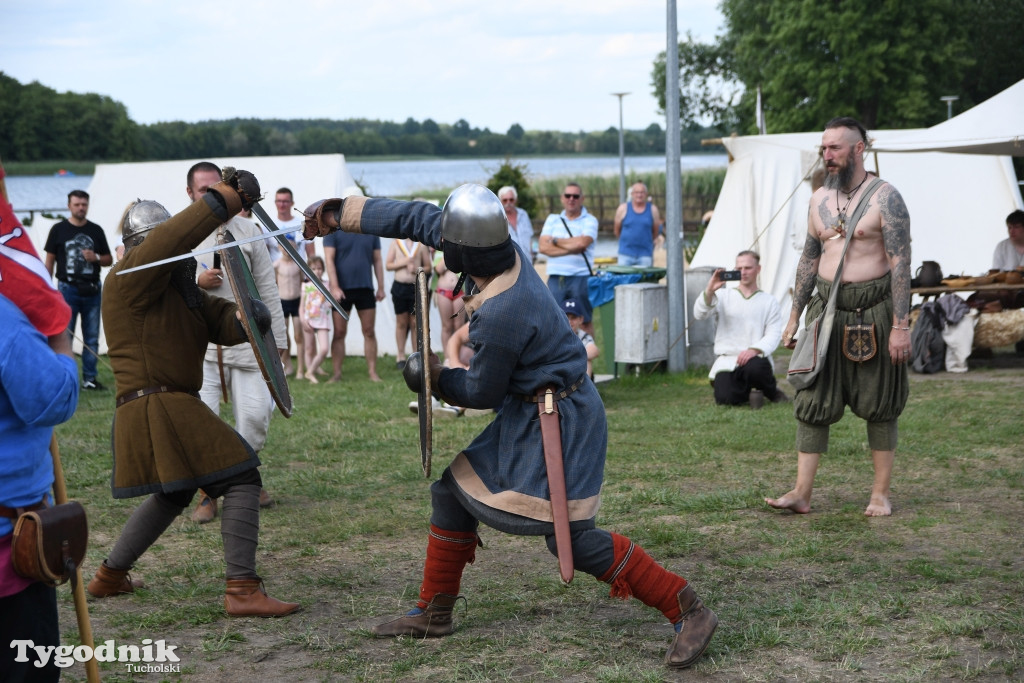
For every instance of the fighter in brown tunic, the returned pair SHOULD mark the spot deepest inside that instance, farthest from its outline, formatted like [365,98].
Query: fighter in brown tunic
[166,441]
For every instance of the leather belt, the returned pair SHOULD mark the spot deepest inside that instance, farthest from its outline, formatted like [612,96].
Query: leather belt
[139,393]
[14,513]
[882,299]
[551,436]
[558,396]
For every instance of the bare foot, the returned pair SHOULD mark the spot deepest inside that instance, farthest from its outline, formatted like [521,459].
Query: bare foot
[375,378]
[321,371]
[879,506]
[790,501]
[334,378]
[312,378]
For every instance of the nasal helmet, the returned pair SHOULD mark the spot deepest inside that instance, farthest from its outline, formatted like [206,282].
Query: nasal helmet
[140,217]
[475,231]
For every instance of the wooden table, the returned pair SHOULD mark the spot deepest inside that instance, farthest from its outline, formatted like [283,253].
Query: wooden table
[926,292]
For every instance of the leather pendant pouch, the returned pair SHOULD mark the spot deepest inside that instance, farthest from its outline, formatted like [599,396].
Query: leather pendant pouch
[49,544]
[859,342]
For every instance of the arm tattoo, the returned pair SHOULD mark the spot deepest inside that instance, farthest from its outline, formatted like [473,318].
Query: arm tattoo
[806,272]
[896,235]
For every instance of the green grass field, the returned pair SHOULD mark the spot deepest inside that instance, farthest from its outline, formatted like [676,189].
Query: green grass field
[935,592]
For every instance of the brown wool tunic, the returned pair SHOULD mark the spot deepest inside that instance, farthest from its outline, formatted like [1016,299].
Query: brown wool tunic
[167,441]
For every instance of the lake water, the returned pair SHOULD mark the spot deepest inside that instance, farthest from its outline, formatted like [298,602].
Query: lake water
[393,178]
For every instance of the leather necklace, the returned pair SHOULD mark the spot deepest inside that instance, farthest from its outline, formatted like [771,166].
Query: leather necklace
[841,218]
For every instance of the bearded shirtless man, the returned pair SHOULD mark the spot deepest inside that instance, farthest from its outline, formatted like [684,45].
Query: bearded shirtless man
[876,280]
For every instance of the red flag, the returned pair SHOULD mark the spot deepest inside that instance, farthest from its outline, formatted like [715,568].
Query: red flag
[23,277]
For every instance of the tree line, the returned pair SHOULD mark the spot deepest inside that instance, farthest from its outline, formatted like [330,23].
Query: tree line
[886,63]
[41,124]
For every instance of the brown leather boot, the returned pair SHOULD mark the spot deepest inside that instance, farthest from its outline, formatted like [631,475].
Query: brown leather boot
[206,510]
[698,625]
[265,499]
[248,598]
[433,622]
[109,582]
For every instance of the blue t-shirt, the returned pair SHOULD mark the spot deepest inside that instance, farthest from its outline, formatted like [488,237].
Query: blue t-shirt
[353,258]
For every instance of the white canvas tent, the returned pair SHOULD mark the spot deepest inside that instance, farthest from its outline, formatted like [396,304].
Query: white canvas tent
[958,202]
[996,126]
[310,177]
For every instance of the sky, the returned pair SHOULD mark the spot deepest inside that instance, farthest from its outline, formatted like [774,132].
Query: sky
[544,64]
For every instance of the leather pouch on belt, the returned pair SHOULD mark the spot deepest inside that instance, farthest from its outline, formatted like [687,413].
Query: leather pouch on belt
[49,544]
[859,341]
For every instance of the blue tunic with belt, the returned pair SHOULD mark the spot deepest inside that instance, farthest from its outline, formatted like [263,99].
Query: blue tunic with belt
[523,343]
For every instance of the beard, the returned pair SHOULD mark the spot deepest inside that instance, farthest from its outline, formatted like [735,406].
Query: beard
[843,178]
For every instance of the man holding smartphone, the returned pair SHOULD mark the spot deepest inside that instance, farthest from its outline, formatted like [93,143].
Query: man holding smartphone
[749,329]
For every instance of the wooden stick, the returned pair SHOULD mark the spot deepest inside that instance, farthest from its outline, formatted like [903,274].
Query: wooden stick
[60,495]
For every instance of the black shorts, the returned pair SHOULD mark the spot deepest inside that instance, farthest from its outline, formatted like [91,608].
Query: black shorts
[290,308]
[361,297]
[403,294]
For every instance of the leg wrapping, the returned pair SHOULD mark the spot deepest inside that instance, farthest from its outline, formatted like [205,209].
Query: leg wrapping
[634,573]
[448,553]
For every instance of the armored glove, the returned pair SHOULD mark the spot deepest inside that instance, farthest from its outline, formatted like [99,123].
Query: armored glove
[322,218]
[245,184]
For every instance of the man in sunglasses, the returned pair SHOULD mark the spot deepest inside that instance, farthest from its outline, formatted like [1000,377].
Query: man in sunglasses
[567,239]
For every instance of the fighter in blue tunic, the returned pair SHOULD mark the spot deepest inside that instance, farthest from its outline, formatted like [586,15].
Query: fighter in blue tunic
[523,343]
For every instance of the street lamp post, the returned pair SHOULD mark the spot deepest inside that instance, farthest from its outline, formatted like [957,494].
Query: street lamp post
[622,151]
[949,100]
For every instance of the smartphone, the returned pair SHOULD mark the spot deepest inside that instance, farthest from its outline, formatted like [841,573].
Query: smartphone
[216,260]
[728,275]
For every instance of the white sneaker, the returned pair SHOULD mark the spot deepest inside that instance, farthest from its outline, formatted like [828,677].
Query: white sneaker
[437,407]
[444,410]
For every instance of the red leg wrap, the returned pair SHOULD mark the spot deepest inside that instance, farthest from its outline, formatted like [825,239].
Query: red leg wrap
[448,553]
[634,573]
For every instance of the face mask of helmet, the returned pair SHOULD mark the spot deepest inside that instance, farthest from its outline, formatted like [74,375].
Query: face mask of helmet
[475,232]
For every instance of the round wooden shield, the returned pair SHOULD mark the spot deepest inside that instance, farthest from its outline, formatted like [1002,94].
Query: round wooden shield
[243,286]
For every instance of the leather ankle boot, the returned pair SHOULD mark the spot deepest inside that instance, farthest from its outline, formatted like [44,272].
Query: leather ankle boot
[248,598]
[698,625]
[109,582]
[433,622]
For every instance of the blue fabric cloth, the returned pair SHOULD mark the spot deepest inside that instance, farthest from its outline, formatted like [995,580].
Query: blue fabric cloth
[523,342]
[38,389]
[635,237]
[353,259]
[601,287]
[89,308]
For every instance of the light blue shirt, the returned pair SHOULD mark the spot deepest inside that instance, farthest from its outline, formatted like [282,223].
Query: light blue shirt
[572,264]
[522,234]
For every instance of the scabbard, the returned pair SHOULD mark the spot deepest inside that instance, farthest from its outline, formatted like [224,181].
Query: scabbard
[551,436]
[220,369]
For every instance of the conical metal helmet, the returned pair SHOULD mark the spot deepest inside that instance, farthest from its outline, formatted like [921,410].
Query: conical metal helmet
[141,216]
[474,217]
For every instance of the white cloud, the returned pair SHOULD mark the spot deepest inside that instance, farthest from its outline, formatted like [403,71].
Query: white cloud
[542,64]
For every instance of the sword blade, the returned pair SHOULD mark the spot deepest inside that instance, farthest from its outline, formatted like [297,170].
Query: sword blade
[200,252]
[286,244]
